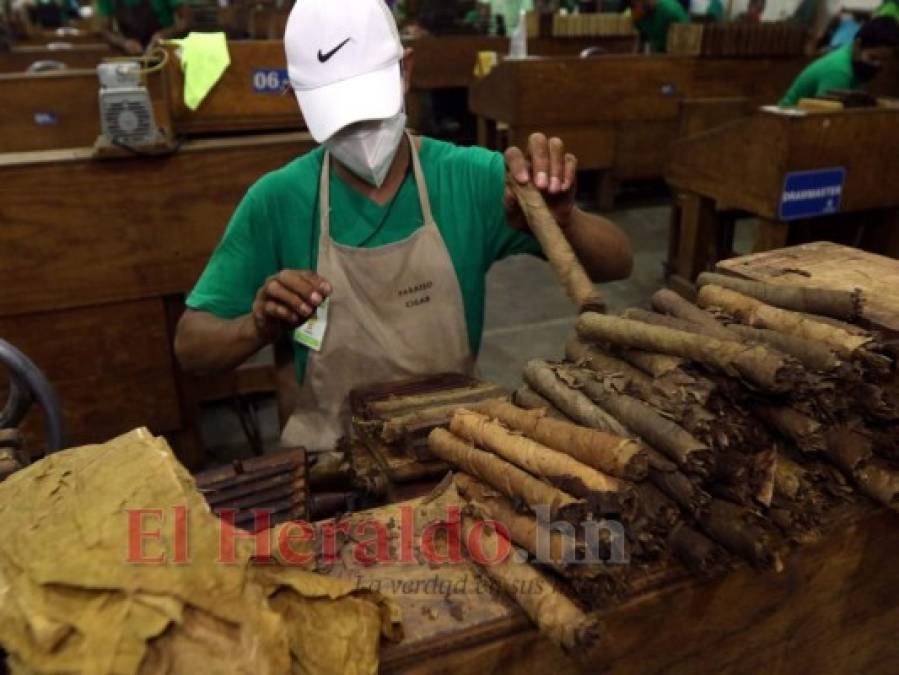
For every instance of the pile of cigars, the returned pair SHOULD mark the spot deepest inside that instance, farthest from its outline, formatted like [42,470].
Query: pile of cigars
[729,430]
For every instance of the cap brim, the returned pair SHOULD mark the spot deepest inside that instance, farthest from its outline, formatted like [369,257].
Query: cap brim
[373,96]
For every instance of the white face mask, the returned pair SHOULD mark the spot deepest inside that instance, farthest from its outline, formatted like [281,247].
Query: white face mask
[368,148]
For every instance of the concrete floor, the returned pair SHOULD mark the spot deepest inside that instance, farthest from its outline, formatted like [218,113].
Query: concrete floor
[528,316]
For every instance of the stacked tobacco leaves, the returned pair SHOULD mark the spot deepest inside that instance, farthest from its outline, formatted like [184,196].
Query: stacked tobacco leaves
[715,432]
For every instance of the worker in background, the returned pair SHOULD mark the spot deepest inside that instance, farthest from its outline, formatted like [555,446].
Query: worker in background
[715,11]
[652,18]
[889,8]
[846,27]
[509,11]
[754,11]
[815,16]
[134,26]
[396,233]
[849,67]
[441,17]
[478,18]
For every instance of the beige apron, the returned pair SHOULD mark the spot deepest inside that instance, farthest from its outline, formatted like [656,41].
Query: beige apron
[396,312]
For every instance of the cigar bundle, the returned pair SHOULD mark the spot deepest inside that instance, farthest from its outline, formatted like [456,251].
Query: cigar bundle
[712,433]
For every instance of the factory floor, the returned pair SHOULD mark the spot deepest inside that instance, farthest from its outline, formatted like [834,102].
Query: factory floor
[528,316]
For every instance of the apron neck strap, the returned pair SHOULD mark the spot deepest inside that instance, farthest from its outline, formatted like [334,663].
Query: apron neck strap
[420,183]
[324,188]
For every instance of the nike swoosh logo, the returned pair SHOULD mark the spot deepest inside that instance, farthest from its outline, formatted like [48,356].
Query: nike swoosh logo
[324,58]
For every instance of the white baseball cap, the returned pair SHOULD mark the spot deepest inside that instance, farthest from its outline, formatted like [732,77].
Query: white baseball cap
[343,61]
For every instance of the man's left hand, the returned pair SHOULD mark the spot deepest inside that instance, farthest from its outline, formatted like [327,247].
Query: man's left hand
[553,172]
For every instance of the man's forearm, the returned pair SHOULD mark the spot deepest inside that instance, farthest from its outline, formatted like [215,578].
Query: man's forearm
[602,247]
[205,343]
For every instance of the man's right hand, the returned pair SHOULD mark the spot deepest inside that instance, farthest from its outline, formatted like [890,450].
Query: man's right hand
[287,299]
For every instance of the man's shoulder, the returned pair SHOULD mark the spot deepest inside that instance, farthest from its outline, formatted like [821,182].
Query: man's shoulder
[444,156]
[837,59]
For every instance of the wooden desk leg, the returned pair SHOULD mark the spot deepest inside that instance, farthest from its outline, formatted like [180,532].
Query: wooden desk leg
[879,232]
[724,237]
[891,246]
[486,133]
[188,441]
[606,190]
[770,235]
[670,266]
[699,224]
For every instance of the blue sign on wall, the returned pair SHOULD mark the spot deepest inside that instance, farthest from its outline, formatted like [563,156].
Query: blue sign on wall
[270,80]
[808,194]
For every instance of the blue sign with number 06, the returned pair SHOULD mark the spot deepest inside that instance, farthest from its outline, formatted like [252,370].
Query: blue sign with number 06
[270,80]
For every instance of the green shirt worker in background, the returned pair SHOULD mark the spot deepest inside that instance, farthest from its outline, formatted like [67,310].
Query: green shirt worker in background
[850,66]
[652,19]
[889,8]
[383,239]
[136,25]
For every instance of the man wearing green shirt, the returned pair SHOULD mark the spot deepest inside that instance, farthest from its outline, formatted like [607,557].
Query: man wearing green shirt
[368,256]
[889,8]
[850,66]
[135,25]
[652,19]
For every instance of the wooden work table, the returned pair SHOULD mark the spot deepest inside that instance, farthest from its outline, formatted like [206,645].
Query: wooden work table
[237,104]
[834,609]
[619,113]
[448,62]
[742,167]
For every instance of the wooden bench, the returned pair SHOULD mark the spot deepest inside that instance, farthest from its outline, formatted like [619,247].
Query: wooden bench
[741,168]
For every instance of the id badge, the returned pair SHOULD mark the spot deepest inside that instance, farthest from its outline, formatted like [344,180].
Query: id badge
[312,333]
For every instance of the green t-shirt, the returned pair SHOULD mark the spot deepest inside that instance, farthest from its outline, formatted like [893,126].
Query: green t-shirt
[276,227]
[164,9]
[831,71]
[889,8]
[715,10]
[654,26]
